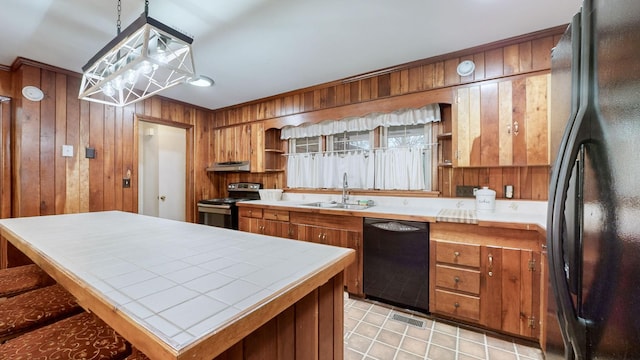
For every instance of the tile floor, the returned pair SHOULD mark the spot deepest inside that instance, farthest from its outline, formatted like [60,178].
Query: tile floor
[371,333]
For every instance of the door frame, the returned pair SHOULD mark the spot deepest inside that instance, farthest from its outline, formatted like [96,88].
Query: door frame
[190,202]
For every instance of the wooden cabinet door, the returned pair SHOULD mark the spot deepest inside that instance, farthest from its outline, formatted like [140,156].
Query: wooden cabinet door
[511,290]
[231,143]
[252,225]
[502,123]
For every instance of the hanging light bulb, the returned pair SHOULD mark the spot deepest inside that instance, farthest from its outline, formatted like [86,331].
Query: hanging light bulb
[146,67]
[108,89]
[118,83]
[131,76]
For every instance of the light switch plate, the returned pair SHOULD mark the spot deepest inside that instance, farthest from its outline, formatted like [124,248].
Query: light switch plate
[67,150]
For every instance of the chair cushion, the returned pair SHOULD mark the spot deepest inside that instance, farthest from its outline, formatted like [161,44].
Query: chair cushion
[34,309]
[81,336]
[19,279]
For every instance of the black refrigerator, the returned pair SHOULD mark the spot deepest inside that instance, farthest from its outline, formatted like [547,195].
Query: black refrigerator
[593,225]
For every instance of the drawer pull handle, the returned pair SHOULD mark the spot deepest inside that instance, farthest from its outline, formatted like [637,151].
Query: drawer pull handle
[456,305]
[456,253]
[456,279]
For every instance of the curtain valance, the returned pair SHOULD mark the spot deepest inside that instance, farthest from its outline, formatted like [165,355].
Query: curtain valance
[423,115]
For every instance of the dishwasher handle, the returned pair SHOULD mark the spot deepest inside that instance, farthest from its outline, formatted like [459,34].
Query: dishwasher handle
[395,226]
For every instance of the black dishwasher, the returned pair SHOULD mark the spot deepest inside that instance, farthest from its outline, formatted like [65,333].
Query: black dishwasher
[396,262]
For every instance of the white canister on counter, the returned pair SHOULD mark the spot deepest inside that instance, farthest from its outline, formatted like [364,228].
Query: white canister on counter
[485,199]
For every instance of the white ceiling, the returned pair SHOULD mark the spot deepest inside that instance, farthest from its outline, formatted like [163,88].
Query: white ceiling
[258,48]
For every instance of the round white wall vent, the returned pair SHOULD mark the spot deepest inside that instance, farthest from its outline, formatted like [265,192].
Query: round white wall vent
[466,68]
[32,93]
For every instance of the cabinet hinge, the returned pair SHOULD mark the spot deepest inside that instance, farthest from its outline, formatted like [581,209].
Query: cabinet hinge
[532,264]
[532,322]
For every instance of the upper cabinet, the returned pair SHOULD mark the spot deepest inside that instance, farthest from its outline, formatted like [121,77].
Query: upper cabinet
[502,123]
[250,142]
[232,143]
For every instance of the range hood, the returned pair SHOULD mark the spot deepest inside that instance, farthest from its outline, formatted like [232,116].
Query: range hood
[230,166]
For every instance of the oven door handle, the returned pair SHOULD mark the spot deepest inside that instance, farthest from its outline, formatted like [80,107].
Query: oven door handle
[214,209]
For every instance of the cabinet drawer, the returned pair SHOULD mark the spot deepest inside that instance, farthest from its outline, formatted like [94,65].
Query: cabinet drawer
[280,215]
[458,305]
[458,279]
[458,254]
[250,212]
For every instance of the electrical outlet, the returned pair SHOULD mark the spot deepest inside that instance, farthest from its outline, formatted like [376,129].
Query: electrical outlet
[126,183]
[466,191]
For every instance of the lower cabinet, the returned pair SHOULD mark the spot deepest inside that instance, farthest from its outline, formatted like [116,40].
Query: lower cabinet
[487,276]
[336,230]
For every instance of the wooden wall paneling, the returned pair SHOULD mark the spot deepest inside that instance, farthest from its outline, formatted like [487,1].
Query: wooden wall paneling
[47,143]
[108,166]
[438,74]
[261,344]
[286,334]
[96,165]
[525,182]
[539,182]
[130,159]
[415,79]
[307,327]
[489,146]
[60,139]
[525,54]
[84,189]
[495,181]
[451,76]
[494,63]
[511,59]
[428,74]
[505,123]
[365,90]
[479,73]
[541,49]
[26,164]
[5,160]
[72,137]
[6,83]
[325,323]
[119,171]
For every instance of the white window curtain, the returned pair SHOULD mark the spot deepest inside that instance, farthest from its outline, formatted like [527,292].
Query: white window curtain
[325,171]
[423,115]
[383,169]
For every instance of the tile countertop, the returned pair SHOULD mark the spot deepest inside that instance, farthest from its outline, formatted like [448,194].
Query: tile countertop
[507,211]
[180,281]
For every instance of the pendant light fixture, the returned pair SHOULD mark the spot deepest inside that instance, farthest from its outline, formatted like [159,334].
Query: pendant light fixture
[145,58]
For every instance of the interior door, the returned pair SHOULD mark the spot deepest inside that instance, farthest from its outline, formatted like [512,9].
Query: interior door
[162,171]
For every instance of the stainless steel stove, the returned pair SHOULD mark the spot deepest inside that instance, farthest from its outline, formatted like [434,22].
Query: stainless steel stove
[223,212]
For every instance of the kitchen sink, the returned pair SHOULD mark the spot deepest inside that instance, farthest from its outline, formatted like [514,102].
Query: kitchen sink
[336,205]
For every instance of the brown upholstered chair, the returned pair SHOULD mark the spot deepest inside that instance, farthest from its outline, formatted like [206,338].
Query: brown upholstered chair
[82,336]
[19,279]
[34,309]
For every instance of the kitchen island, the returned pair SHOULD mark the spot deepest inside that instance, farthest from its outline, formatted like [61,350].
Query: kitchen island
[178,290]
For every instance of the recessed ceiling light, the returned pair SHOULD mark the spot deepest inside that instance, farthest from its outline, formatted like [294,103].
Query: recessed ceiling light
[201,81]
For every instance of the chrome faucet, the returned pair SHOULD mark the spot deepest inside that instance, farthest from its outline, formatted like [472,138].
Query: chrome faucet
[345,190]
